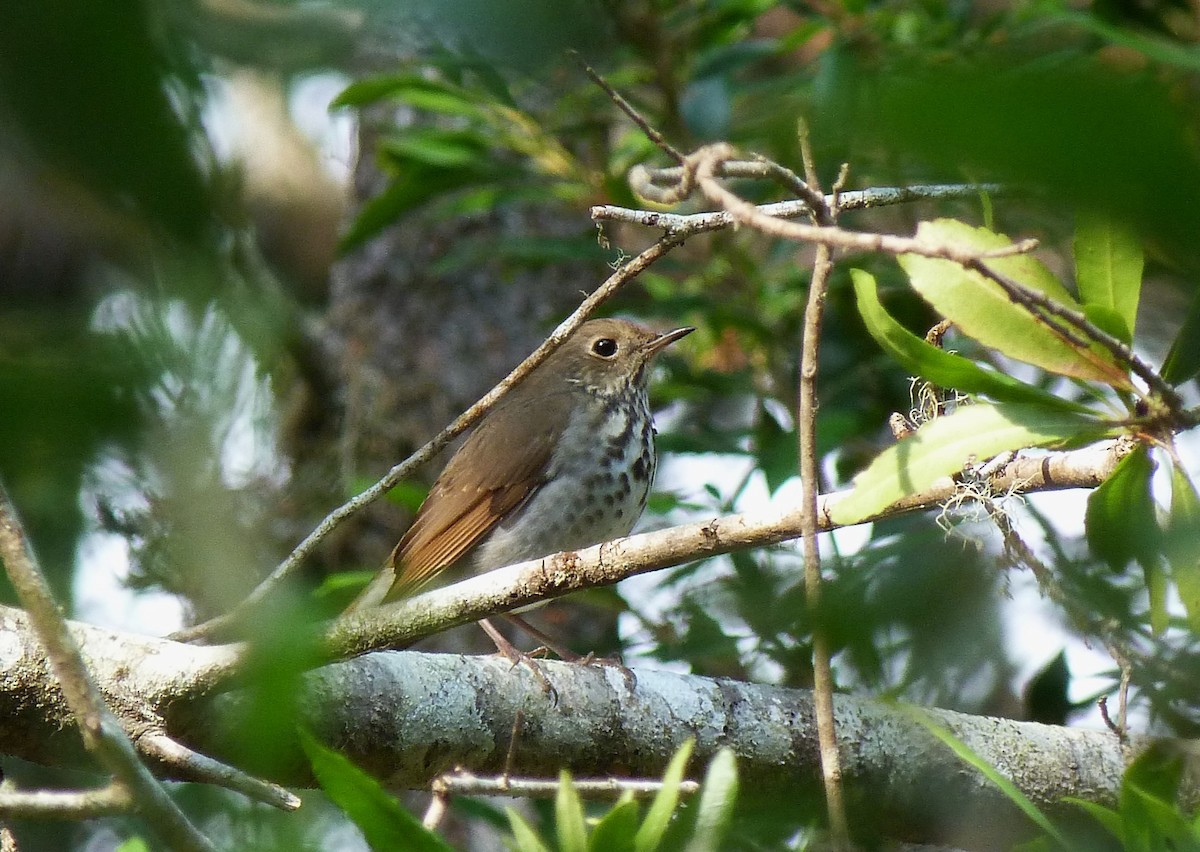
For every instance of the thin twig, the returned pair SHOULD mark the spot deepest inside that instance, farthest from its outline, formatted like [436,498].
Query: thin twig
[439,803]
[66,804]
[626,107]
[102,732]
[859,199]
[224,625]
[706,162]
[806,420]
[193,766]
[1032,298]
[605,789]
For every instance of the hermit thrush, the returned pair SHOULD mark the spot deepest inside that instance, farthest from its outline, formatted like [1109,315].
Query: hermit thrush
[564,461]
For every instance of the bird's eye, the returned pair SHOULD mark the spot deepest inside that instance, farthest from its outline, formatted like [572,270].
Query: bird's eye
[605,347]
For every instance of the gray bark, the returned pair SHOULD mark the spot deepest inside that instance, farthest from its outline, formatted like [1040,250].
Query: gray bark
[407,717]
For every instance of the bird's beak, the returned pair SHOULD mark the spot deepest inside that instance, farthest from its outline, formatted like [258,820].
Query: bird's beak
[666,339]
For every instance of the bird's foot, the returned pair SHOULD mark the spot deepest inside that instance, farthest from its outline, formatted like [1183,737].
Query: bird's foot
[518,657]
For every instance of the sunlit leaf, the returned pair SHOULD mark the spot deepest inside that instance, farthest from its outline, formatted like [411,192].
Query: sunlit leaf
[943,446]
[937,365]
[982,310]
[654,826]
[568,816]
[1108,267]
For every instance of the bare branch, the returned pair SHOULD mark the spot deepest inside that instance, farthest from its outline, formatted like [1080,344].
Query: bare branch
[400,624]
[193,766]
[102,732]
[636,117]
[74,804]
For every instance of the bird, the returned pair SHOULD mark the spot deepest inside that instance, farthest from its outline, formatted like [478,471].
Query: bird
[564,461]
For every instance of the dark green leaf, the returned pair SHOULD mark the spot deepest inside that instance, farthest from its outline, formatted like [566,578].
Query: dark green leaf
[775,449]
[382,820]
[1046,697]
[412,89]
[406,192]
[1183,361]
[1121,522]
[440,148]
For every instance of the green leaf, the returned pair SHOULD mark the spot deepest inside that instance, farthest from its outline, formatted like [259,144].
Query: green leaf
[615,832]
[1107,320]
[937,365]
[1182,544]
[943,446]
[134,844]
[1183,361]
[654,826]
[969,757]
[405,193]
[1156,592]
[568,816]
[1108,268]
[1157,771]
[1153,823]
[417,91]
[718,795]
[1107,817]
[1121,523]
[527,840]
[983,311]
[440,148]
[382,820]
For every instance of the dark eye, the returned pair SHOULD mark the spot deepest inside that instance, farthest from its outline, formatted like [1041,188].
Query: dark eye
[605,347]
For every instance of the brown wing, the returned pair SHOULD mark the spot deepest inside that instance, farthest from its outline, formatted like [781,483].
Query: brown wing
[499,467]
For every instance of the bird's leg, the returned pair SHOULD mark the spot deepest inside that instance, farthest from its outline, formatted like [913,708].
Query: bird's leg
[517,657]
[570,656]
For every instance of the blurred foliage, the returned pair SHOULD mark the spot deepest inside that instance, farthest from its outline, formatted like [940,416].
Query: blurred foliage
[133,370]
